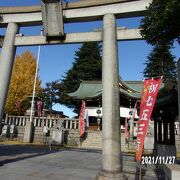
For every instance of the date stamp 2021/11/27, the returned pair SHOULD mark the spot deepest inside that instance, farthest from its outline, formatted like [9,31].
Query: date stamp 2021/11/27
[158,160]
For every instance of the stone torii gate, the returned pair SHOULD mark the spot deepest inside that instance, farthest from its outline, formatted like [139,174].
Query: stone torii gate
[52,17]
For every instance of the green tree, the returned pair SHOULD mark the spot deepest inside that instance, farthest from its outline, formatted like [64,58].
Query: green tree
[162,24]
[49,96]
[160,28]
[161,62]
[21,85]
[87,66]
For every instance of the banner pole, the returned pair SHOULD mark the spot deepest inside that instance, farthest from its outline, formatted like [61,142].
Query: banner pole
[152,78]
[140,171]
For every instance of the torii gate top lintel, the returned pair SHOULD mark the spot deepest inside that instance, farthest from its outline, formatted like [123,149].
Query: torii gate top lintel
[69,5]
[75,12]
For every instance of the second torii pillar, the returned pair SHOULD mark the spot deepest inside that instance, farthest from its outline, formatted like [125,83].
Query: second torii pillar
[111,149]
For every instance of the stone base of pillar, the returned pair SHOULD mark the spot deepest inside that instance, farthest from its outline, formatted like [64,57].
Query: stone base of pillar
[28,132]
[110,176]
[165,150]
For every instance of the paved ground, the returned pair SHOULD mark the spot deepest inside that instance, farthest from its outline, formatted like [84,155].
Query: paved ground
[24,162]
[32,162]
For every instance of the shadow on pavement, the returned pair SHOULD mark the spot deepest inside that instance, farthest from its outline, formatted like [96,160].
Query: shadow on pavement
[12,153]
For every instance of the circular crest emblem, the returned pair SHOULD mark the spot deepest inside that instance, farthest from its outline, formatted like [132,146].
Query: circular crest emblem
[98,111]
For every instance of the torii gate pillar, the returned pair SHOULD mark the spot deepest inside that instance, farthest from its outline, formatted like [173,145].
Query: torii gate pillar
[111,162]
[178,69]
[6,64]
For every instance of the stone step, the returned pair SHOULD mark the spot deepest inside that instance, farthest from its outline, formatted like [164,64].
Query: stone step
[92,137]
[91,144]
[93,140]
[128,157]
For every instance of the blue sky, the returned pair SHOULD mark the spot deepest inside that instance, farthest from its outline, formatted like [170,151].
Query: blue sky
[57,59]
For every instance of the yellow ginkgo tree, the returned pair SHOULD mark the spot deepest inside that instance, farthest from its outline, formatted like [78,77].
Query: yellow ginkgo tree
[22,81]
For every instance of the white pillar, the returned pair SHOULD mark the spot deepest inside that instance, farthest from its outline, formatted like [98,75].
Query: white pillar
[6,64]
[111,164]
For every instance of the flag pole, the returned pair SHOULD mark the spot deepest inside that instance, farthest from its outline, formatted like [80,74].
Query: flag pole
[35,79]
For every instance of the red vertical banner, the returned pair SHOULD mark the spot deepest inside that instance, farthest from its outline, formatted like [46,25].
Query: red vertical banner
[135,110]
[81,119]
[39,105]
[149,94]
[126,130]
